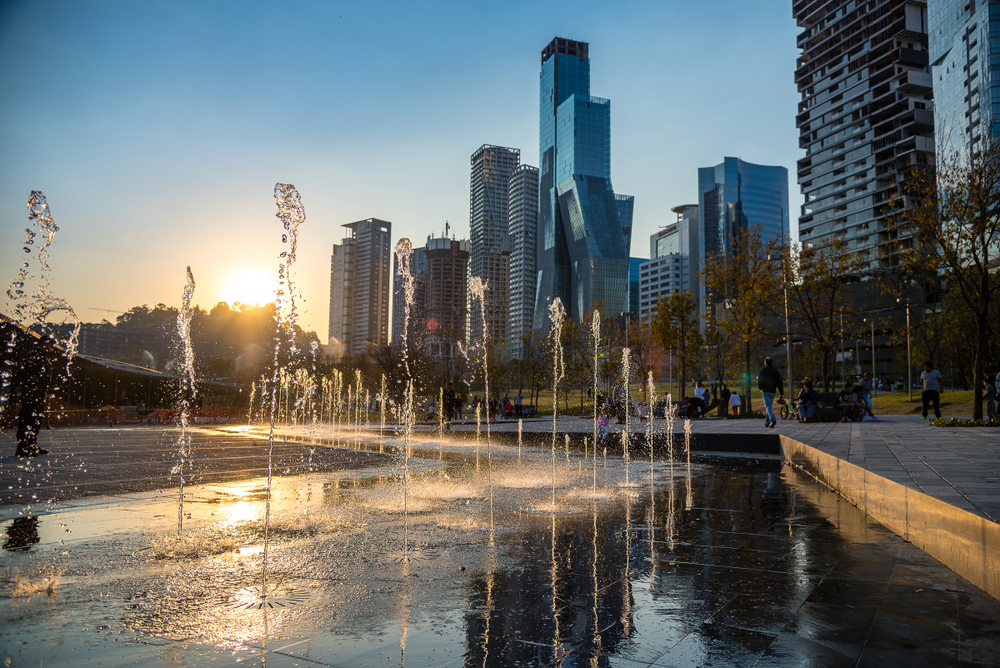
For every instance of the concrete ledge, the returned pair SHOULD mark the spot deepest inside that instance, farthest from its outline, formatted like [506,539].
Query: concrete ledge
[965,543]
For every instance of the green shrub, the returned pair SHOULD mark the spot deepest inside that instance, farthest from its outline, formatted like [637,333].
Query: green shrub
[956,422]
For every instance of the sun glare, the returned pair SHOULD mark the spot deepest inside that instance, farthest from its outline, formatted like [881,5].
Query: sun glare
[249,286]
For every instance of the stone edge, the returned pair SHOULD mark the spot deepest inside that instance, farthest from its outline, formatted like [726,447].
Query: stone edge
[965,543]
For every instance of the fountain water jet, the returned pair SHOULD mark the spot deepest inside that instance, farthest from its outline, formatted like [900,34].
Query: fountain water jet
[291,213]
[595,333]
[627,381]
[477,288]
[34,311]
[557,314]
[186,390]
[404,251]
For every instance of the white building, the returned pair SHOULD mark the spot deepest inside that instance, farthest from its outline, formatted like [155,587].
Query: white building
[674,264]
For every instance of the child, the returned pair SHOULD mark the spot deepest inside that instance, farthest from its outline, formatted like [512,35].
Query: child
[991,400]
[735,404]
[602,426]
[847,402]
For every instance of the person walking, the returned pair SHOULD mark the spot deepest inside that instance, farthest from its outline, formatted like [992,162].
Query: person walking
[769,383]
[33,378]
[620,400]
[735,404]
[724,394]
[518,403]
[448,402]
[932,390]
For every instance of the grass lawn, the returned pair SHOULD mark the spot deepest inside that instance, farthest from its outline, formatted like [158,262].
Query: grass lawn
[898,403]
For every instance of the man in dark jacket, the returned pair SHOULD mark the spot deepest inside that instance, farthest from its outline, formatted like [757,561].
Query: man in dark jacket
[769,383]
[33,378]
[448,402]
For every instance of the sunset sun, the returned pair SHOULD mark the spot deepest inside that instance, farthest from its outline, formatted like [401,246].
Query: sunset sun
[248,286]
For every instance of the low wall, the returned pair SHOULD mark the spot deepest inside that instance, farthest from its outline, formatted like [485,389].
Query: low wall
[755,444]
[965,543]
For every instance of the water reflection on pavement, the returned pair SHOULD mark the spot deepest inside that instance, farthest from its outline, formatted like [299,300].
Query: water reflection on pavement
[738,563]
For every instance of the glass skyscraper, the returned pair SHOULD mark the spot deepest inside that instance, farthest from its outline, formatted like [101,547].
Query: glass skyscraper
[584,227]
[735,196]
[965,58]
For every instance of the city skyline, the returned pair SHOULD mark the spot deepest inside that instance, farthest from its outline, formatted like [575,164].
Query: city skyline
[161,147]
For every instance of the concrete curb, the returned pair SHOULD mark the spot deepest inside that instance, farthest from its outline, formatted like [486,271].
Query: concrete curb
[965,543]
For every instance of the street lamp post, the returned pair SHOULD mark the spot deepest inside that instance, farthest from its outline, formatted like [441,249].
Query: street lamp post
[874,374]
[788,338]
[843,355]
[909,352]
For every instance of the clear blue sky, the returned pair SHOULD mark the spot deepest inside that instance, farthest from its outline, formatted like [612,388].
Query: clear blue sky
[157,130]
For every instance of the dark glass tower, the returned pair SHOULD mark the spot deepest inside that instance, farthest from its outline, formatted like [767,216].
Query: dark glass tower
[584,228]
[735,196]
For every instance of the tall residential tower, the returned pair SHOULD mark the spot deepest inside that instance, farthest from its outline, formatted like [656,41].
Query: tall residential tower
[359,288]
[866,119]
[523,217]
[492,167]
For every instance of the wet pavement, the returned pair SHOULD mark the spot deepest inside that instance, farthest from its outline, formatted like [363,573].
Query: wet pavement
[735,563]
[960,466]
[90,462]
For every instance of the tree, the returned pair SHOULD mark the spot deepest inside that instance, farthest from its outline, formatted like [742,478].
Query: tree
[535,362]
[717,349]
[818,294]
[954,213]
[746,283]
[675,326]
[646,353]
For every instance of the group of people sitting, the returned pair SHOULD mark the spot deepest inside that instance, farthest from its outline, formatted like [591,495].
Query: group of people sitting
[854,401]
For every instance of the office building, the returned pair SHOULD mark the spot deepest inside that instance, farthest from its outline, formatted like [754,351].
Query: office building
[446,297]
[865,119]
[736,196]
[418,269]
[964,40]
[523,225]
[359,289]
[675,261]
[492,167]
[634,267]
[584,227]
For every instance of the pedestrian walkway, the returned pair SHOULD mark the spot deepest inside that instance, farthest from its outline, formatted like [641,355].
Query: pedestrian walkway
[960,466]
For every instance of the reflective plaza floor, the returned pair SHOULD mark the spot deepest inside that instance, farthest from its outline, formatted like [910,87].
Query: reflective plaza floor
[731,562]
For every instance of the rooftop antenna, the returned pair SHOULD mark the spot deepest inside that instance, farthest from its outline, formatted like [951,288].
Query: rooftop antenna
[446,227]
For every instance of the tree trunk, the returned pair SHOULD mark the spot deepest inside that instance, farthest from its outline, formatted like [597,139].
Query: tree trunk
[746,388]
[826,371]
[978,366]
